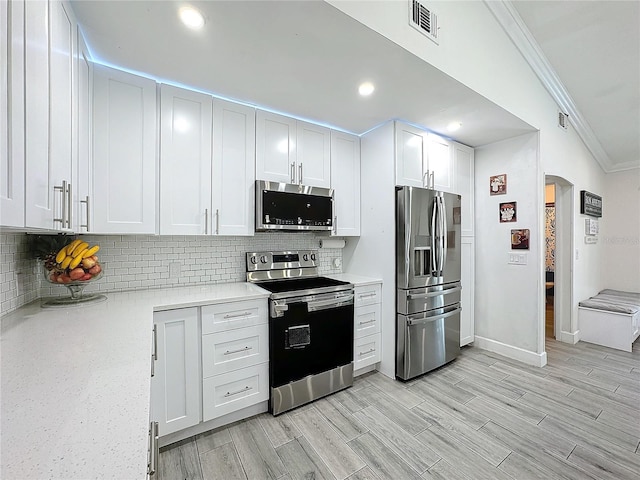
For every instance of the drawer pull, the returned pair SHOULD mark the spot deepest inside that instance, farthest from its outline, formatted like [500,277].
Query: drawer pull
[368,351]
[236,315]
[367,295]
[368,321]
[230,352]
[245,389]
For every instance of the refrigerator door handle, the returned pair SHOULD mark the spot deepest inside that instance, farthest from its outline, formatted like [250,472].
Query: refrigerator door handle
[413,296]
[422,320]
[434,215]
[443,232]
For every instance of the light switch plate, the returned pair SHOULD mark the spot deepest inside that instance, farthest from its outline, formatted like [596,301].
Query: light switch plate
[590,239]
[517,258]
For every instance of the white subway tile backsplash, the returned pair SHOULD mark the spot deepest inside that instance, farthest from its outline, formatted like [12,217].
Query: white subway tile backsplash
[19,279]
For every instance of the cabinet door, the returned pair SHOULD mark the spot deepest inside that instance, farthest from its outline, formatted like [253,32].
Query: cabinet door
[175,386]
[82,194]
[440,163]
[185,161]
[467,278]
[313,155]
[345,180]
[275,147]
[411,155]
[124,152]
[234,130]
[12,199]
[464,166]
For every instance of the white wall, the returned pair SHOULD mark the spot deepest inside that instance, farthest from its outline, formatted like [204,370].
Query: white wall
[475,50]
[507,297]
[620,230]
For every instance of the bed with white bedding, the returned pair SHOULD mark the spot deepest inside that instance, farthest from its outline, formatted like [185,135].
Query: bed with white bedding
[611,318]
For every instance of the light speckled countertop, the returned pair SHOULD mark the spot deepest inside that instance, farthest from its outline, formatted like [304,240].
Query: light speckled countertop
[75,389]
[355,279]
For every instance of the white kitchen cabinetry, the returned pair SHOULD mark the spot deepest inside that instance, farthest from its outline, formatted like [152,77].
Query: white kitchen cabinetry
[463,157]
[50,34]
[124,152]
[367,325]
[185,161]
[467,278]
[423,159]
[345,181]
[175,385]
[292,151]
[234,148]
[235,357]
[12,200]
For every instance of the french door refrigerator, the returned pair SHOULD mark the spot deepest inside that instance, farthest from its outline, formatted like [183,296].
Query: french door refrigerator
[427,280]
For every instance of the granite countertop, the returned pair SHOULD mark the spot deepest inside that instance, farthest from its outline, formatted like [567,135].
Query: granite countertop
[76,382]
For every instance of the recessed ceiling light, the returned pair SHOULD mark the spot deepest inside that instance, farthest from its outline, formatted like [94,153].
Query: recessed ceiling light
[453,126]
[365,89]
[191,17]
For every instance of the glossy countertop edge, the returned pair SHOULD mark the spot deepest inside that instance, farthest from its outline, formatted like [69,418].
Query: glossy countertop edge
[357,280]
[67,411]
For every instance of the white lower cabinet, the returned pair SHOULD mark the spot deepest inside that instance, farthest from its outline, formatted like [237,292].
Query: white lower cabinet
[228,351]
[467,274]
[366,328]
[175,386]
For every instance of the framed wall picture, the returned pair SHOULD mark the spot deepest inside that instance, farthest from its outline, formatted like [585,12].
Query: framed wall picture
[498,184]
[520,239]
[590,204]
[508,212]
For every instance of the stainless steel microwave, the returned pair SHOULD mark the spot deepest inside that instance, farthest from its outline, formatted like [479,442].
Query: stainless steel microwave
[285,206]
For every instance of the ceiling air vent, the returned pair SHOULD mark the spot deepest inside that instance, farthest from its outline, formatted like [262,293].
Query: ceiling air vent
[563,120]
[423,19]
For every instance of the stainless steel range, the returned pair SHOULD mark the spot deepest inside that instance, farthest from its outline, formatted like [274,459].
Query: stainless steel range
[310,327]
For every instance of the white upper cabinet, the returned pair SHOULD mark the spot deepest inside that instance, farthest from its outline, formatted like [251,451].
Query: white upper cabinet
[314,155]
[185,161]
[411,155]
[50,33]
[124,152]
[345,180]
[275,147]
[292,151]
[12,199]
[439,163]
[234,147]
[463,160]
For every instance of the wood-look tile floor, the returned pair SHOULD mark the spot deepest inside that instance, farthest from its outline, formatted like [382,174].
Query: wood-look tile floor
[481,417]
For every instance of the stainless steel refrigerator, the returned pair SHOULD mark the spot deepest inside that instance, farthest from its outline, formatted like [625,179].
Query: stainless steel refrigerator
[427,280]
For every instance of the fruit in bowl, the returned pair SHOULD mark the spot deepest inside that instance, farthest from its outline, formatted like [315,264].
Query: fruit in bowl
[74,263]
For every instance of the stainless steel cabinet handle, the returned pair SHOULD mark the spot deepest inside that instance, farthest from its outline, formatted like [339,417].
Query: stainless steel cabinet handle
[217,221]
[368,351]
[206,221]
[300,173]
[63,211]
[367,322]
[437,293]
[335,225]
[247,388]
[411,321]
[367,295]
[293,172]
[88,224]
[154,445]
[69,207]
[155,342]
[236,315]
[432,182]
[153,366]
[230,352]
[424,175]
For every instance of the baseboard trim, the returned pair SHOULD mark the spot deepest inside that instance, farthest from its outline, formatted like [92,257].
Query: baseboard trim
[569,337]
[515,353]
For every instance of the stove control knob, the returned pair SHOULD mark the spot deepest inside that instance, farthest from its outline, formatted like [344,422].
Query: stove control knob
[313,257]
[263,259]
[305,257]
[254,259]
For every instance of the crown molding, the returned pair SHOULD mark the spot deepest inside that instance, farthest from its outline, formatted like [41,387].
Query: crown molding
[515,28]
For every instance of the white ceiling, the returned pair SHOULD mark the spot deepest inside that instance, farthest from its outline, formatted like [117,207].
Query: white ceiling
[306,58]
[594,48]
[303,59]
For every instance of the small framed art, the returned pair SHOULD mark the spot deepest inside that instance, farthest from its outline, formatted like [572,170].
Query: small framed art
[520,239]
[498,184]
[508,212]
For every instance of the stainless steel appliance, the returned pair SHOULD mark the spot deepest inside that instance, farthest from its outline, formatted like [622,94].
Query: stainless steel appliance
[310,327]
[427,280]
[284,206]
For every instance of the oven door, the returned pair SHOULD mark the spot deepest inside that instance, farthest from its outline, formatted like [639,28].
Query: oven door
[309,336]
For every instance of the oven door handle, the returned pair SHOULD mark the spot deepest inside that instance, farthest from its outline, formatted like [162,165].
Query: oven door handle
[329,303]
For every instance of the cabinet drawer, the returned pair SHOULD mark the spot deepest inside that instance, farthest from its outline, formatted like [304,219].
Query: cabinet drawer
[233,391]
[368,295]
[366,351]
[227,316]
[239,348]
[366,320]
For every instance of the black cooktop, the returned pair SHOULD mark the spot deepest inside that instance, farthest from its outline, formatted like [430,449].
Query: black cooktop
[295,284]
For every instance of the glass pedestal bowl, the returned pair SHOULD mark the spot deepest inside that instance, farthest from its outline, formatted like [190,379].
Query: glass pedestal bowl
[76,287]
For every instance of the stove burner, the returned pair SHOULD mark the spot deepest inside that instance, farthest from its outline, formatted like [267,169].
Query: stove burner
[294,285]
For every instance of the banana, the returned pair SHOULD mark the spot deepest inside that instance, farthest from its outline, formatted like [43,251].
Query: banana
[78,248]
[91,251]
[72,245]
[75,262]
[77,253]
[65,263]
[61,254]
